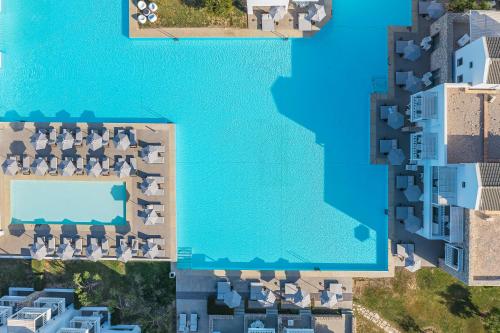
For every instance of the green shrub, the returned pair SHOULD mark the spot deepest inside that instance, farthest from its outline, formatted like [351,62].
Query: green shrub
[219,7]
[464,5]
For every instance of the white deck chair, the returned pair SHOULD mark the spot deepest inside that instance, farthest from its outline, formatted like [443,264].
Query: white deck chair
[193,322]
[182,322]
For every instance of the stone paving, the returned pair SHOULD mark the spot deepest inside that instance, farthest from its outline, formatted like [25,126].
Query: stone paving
[375,318]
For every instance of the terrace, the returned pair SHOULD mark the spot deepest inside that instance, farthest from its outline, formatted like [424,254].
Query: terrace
[140,156]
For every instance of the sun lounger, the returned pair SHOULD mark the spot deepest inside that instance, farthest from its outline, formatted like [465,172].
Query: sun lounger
[182,322]
[222,288]
[402,182]
[160,220]
[159,180]
[135,246]
[105,137]
[132,135]
[267,23]
[79,165]
[386,145]
[133,165]
[305,24]
[158,241]
[193,322]
[78,137]
[51,245]
[52,136]
[53,166]
[78,246]
[105,246]
[160,192]
[158,208]
[105,166]
[402,212]
[123,242]
[26,165]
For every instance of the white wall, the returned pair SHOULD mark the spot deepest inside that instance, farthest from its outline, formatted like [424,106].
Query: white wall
[467,196]
[475,52]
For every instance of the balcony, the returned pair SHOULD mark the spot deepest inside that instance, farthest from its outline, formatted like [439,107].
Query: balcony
[423,106]
[423,146]
[453,257]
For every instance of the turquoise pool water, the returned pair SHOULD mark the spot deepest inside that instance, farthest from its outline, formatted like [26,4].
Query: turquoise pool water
[67,202]
[272,136]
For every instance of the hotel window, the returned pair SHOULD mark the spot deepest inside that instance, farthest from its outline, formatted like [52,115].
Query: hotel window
[460,78]
[471,64]
[463,184]
[460,61]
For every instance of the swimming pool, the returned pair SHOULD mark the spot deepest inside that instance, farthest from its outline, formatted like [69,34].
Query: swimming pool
[272,139]
[67,202]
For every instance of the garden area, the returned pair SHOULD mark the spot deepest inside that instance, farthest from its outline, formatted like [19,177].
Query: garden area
[464,5]
[137,292]
[200,13]
[429,301]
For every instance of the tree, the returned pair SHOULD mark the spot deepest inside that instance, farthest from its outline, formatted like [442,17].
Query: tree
[219,7]
[463,5]
[492,321]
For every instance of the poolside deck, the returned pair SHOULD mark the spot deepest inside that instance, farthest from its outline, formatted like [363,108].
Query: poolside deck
[428,251]
[287,28]
[16,239]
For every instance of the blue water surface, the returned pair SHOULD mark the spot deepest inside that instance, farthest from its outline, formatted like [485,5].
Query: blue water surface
[273,164]
[67,202]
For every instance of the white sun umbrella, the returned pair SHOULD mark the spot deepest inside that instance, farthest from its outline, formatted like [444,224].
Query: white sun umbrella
[65,141]
[412,52]
[413,84]
[67,167]
[150,217]
[396,156]
[266,297]
[94,168]
[277,12]
[149,186]
[328,298]
[141,5]
[121,141]
[149,155]
[122,169]
[435,10]
[152,251]
[94,141]
[302,298]
[232,299]
[124,254]
[142,19]
[316,12]
[395,119]
[65,251]
[94,252]
[39,167]
[39,141]
[38,251]
[413,193]
[10,167]
[413,223]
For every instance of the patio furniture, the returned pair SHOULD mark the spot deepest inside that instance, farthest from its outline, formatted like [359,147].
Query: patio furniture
[402,77]
[105,166]
[223,287]
[316,12]
[133,165]
[402,182]
[67,167]
[158,208]
[79,165]
[386,109]
[413,223]
[105,246]
[426,79]
[406,252]
[105,137]
[78,246]
[402,212]
[462,41]
[53,166]
[267,23]
[412,52]
[135,246]
[10,166]
[52,136]
[94,167]
[193,322]
[277,13]
[39,140]
[94,140]
[386,145]
[26,165]
[401,46]
[141,5]
[121,140]
[182,322]
[133,137]
[413,84]
[305,24]
[426,43]
[78,136]
[51,244]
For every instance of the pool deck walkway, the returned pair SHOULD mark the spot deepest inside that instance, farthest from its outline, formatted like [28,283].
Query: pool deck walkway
[15,239]
[284,31]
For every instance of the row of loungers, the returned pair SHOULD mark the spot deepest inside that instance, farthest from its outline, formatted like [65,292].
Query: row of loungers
[95,249]
[77,134]
[52,166]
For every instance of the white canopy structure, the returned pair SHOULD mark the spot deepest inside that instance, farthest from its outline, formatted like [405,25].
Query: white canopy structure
[265,3]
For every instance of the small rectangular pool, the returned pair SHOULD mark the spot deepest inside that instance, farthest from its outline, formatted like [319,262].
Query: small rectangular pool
[67,202]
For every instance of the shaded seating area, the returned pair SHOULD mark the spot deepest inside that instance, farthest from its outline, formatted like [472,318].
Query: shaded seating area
[406,253]
[260,296]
